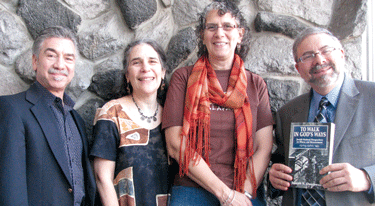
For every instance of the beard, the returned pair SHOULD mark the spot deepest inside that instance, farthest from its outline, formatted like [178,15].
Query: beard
[326,79]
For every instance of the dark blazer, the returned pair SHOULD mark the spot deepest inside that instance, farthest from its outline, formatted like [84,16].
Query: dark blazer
[354,136]
[33,162]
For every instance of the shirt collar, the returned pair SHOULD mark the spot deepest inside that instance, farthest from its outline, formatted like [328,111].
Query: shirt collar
[50,98]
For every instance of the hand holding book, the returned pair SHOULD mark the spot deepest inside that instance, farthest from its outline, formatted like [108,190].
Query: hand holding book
[310,150]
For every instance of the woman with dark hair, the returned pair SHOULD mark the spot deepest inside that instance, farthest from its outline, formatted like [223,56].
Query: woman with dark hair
[130,159]
[217,117]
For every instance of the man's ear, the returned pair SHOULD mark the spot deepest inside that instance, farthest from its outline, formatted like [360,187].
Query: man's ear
[296,66]
[342,53]
[34,62]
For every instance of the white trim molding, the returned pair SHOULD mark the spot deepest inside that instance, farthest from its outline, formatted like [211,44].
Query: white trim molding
[368,41]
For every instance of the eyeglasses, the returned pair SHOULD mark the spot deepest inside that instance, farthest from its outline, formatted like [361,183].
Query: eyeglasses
[310,56]
[225,27]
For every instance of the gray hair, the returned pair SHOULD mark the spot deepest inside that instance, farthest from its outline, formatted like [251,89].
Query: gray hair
[223,7]
[53,32]
[308,32]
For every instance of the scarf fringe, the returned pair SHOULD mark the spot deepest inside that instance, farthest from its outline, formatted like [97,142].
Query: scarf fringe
[252,177]
[240,175]
[204,88]
[197,145]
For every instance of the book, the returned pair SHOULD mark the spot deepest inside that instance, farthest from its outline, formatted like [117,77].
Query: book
[310,149]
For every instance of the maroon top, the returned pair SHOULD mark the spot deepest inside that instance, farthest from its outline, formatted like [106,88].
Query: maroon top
[222,122]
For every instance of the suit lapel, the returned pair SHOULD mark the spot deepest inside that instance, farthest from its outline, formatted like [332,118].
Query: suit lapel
[44,115]
[298,112]
[303,109]
[346,108]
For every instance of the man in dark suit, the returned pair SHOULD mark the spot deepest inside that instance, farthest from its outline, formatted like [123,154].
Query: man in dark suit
[320,60]
[43,145]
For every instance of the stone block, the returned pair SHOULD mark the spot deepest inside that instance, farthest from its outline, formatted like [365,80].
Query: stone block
[159,29]
[14,38]
[89,9]
[81,80]
[137,12]
[102,83]
[353,56]
[318,12]
[185,12]
[180,47]
[167,3]
[111,63]
[102,39]
[41,14]
[10,83]
[24,67]
[281,91]
[10,4]
[87,112]
[349,18]
[286,25]
[270,54]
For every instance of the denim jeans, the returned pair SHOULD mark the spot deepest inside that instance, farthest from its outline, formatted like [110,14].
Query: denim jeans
[192,196]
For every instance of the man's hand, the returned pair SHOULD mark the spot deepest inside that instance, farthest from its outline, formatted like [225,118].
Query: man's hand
[279,176]
[344,177]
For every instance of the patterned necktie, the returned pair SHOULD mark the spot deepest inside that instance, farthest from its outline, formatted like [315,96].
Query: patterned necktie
[322,110]
[312,197]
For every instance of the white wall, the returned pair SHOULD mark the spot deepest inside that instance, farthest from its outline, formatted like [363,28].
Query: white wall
[368,46]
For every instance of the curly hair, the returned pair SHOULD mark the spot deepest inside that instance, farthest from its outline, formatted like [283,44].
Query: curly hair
[223,7]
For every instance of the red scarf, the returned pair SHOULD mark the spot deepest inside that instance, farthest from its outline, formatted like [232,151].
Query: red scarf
[203,88]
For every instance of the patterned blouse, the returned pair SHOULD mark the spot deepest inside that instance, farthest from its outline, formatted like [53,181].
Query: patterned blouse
[141,171]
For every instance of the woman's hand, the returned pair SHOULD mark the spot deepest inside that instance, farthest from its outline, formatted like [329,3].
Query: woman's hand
[235,198]
[199,171]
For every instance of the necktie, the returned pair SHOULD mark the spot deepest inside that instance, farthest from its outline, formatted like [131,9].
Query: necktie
[322,110]
[312,197]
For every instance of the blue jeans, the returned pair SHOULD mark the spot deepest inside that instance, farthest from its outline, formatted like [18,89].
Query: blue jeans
[192,196]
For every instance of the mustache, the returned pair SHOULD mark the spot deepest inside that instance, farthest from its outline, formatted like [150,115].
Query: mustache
[320,66]
[57,71]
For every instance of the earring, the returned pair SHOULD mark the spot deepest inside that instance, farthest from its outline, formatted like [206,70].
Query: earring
[162,85]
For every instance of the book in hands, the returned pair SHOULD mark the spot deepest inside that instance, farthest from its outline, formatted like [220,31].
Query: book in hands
[310,149]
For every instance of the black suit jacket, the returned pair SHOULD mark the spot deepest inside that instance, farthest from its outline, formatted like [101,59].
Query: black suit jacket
[33,162]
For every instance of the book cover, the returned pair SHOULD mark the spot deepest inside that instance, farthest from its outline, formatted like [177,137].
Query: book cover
[310,149]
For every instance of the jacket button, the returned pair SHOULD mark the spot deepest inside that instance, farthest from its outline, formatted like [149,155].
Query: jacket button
[70,190]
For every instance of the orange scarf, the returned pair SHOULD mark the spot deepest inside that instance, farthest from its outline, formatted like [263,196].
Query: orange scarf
[203,88]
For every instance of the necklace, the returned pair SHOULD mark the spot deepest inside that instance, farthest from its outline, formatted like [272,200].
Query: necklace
[144,117]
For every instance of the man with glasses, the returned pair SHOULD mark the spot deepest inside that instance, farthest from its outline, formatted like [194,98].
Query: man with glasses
[348,103]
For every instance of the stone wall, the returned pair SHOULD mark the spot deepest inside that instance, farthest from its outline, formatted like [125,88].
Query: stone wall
[105,27]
